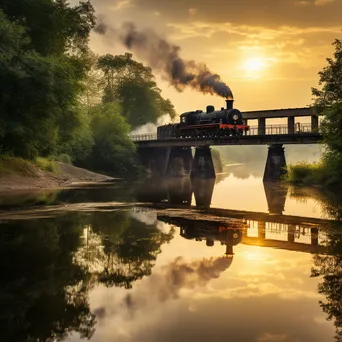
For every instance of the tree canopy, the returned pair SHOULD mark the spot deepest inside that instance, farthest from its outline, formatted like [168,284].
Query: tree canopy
[133,85]
[40,76]
[57,97]
[329,101]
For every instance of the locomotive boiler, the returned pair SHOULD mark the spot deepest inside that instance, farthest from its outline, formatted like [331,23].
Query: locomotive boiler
[211,123]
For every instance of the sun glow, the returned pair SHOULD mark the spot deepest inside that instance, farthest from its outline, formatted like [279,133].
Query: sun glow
[255,64]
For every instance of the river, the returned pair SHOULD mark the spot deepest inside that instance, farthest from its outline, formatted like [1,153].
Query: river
[252,262]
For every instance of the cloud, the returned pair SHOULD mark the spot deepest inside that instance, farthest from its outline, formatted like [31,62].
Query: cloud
[192,11]
[120,4]
[323,2]
[266,337]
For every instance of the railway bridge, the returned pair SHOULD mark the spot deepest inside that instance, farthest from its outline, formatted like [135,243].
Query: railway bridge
[174,158]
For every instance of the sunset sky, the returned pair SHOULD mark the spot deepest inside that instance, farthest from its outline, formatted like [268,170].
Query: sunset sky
[269,52]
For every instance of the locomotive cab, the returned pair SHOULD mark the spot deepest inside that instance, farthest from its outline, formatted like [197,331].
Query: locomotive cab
[190,118]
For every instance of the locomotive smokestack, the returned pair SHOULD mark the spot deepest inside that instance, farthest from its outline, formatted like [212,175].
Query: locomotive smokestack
[229,102]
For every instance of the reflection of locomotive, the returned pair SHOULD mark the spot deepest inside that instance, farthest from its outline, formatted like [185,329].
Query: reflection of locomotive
[210,231]
[212,123]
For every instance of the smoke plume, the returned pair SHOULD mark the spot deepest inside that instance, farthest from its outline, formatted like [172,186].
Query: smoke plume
[164,57]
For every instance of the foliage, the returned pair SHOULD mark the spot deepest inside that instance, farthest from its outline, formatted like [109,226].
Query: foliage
[52,88]
[331,79]
[328,101]
[134,87]
[306,173]
[113,150]
[40,79]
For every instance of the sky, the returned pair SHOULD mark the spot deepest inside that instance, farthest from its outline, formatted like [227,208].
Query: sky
[269,52]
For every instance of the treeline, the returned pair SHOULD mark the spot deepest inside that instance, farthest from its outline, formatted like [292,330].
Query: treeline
[328,100]
[57,98]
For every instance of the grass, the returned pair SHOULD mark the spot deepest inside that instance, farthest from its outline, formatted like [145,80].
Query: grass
[13,165]
[307,173]
[47,165]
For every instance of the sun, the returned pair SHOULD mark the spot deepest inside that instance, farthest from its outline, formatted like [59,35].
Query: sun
[255,64]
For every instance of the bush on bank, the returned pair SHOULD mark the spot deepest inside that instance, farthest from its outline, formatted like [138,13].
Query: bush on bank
[306,173]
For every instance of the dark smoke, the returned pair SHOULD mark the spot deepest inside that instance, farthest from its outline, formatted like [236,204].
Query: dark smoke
[165,57]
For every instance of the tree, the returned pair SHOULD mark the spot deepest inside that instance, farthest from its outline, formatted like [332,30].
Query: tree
[133,86]
[41,71]
[113,150]
[331,79]
[329,101]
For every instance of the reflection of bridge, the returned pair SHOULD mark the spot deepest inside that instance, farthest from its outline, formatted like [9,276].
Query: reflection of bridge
[293,237]
[271,229]
[173,158]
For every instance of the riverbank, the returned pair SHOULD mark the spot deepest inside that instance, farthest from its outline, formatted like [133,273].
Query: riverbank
[18,174]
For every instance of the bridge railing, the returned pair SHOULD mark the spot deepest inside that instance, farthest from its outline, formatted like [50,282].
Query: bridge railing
[142,137]
[253,130]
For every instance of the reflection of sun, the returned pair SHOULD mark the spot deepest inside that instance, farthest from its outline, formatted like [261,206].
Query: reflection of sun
[255,64]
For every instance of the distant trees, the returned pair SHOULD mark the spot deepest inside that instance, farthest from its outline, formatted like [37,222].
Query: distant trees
[57,97]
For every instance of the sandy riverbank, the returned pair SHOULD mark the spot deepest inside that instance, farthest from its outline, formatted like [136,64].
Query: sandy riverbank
[37,179]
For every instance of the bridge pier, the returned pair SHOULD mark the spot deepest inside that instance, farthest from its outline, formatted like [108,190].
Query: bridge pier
[179,162]
[203,192]
[203,166]
[155,160]
[276,164]
[276,197]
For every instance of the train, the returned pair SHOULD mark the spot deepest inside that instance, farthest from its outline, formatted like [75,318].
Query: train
[210,124]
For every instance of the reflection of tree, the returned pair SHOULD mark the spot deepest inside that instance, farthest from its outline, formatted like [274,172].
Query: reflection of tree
[49,266]
[43,294]
[328,266]
[130,247]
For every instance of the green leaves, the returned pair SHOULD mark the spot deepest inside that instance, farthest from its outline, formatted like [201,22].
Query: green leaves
[133,86]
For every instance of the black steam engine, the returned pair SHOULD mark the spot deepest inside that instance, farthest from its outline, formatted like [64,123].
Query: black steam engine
[212,123]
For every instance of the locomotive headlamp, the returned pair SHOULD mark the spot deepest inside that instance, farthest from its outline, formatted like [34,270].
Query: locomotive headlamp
[235,117]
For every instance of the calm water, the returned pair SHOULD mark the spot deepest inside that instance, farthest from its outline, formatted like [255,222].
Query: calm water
[92,263]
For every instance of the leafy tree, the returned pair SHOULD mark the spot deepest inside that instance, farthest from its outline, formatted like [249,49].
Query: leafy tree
[329,100]
[40,79]
[331,80]
[133,86]
[113,150]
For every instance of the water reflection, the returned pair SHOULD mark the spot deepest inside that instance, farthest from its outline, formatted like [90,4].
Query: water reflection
[180,191]
[50,265]
[116,274]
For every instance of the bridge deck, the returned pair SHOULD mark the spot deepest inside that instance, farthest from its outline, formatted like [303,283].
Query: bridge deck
[298,138]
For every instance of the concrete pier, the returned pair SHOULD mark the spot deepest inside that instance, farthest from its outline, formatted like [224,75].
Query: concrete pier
[179,162]
[276,163]
[203,166]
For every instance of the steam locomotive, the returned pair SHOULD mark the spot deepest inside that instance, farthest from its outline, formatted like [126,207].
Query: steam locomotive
[212,123]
